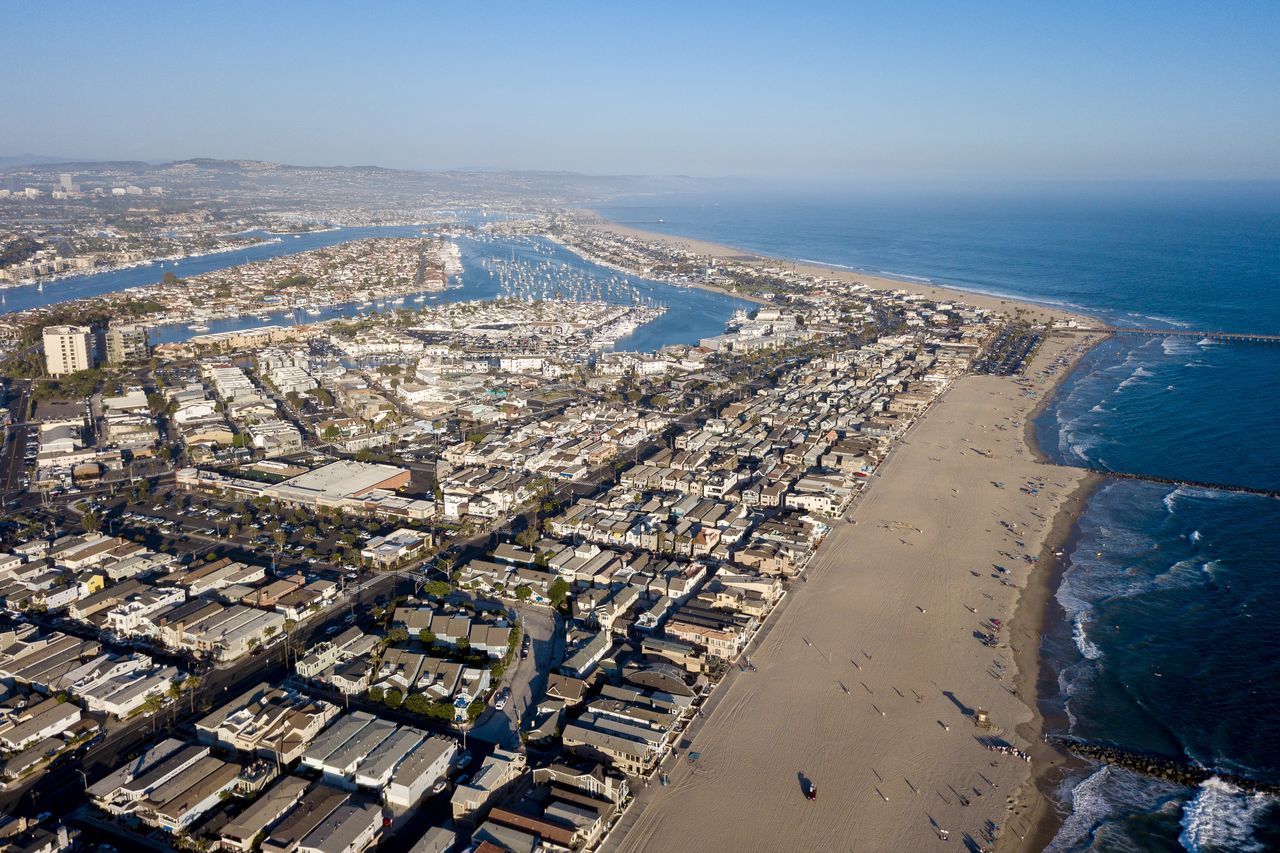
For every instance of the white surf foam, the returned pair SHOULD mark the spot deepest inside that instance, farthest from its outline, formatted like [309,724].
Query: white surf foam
[828,264]
[1223,817]
[1107,794]
[1134,378]
[1182,574]
[1083,643]
[906,277]
[1178,346]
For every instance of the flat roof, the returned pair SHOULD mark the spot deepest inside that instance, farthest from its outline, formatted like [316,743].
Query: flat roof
[340,479]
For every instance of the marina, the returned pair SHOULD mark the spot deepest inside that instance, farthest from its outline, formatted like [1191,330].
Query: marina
[484,267]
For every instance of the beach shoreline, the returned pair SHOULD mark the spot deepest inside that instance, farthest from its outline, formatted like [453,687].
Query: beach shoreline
[1029,816]
[941,292]
[1035,614]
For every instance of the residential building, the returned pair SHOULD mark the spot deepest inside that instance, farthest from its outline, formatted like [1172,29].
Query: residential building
[68,349]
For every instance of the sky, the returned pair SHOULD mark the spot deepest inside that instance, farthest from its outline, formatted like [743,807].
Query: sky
[793,90]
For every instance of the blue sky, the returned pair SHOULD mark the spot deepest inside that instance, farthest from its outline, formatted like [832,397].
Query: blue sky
[949,90]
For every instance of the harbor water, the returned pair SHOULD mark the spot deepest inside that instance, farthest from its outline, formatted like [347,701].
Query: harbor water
[692,314]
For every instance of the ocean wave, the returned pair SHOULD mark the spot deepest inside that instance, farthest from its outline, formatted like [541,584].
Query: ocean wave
[1181,324]
[834,265]
[1170,500]
[1134,378]
[1194,536]
[1183,574]
[906,277]
[1223,817]
[1077,437]
[1107,795]
[1178,346]
[1080,448]
[1078,633]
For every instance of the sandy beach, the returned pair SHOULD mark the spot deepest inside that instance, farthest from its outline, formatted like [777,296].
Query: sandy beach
[870,672]
[933,291]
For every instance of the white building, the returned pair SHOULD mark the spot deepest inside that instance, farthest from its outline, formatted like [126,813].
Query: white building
[425,766]
[68,349]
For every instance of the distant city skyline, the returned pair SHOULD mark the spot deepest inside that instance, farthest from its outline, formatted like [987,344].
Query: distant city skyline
[922,91]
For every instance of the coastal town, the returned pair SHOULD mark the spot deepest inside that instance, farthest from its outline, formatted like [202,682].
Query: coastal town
[633,428]
[449,574]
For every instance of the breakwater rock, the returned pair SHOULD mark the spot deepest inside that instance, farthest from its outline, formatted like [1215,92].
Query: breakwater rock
[1169,768]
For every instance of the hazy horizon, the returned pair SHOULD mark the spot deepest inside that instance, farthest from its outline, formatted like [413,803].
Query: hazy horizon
[923,91]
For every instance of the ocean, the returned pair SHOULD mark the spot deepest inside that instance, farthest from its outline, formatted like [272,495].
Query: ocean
[1169,634]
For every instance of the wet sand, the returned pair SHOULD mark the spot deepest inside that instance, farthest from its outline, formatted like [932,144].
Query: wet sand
[869,673]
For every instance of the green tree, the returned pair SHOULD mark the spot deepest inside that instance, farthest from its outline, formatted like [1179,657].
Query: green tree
[397,635]
[437,589]
[558,592]
[523,592]
[91,521]
[392,698]
[427,638]
[376,694]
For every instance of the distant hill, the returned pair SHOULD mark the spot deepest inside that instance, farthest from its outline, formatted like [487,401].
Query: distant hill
[9,160]
[259,182]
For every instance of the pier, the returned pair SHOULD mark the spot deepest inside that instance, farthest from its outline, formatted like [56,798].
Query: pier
[1221,337]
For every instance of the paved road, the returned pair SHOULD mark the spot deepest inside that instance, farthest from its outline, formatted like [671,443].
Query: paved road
[60,789]
[13,460]
[527,679]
